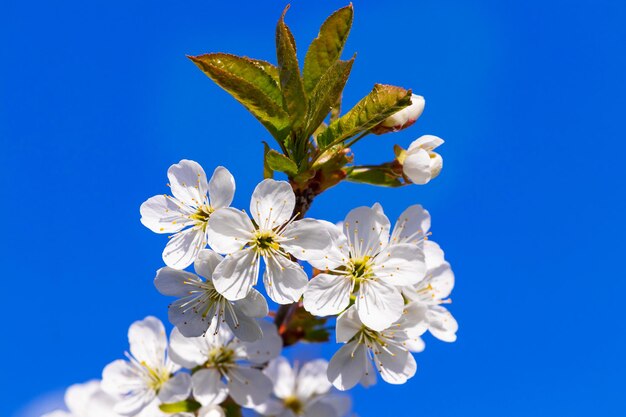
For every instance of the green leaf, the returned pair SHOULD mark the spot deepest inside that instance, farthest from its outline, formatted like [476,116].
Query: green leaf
[279,162]
[375,176]
[326,49]
[267,171]
[326,94]
[181,406]
[289,74]
[380,103]
[252,84]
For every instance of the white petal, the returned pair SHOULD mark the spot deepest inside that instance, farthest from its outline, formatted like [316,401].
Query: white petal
[236,274]
[132,405]
[348,324]
[188,182]
[272,203]
[187,351]
[377,207]
[228,230]
[208,387]
[271,407]
[312,379]
[395,365]
[307,239]
[400,264]
[163,214]
[442,324]
[206,262]
[367,231]
[378,304]
[119,378]
[78,397]
[263,350]
[174,282]
[407,115]
[340,403]
[253,305]
[284,279]
[148,341]
[327,294]
[412,225]
[221,188]
[192,315]
[347,366]
[427,142]
[338,253]
[416,166]
[441,280]
[211,411]
[433,254]
[412,325]
[320,409]
[245,328]
[283,377]
[176,388]
[183,247]
[248,386]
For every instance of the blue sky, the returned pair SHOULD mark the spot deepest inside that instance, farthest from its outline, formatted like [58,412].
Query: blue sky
[97,99]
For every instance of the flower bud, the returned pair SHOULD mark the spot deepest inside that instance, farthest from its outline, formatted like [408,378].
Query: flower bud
[420,163]
[402,119]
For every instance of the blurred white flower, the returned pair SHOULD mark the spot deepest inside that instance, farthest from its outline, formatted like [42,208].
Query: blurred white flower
[364,262]
[146,379]
[273,236]
[433,291]
[404,118]
[200,305]
[223,357]
[86,400]
[388,349]
[420,163]
[302,392]
[185,215]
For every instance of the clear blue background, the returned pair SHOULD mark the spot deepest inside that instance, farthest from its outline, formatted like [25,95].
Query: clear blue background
[97,99]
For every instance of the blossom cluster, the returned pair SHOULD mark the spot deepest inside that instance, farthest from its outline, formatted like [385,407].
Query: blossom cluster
[385,284]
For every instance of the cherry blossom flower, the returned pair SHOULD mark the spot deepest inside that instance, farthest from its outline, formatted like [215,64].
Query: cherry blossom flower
[146,379]
[87,400]
[302,392]
[227,364]
[431,293]
[404,118]
[201,306]
[185,214]
[420,163]
[363,262]
[273,235]
[388,349]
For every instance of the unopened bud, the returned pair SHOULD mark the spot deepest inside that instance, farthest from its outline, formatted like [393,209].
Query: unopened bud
[402,119]
[420,163]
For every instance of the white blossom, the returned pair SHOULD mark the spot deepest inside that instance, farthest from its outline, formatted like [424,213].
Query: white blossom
[147,378]
[86,400]
[273,235]
[227,364]
[432,292]
[185,214]
[200,305]
[403,118]
[302,392]
[420,163]
[363,261]
[388,349]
